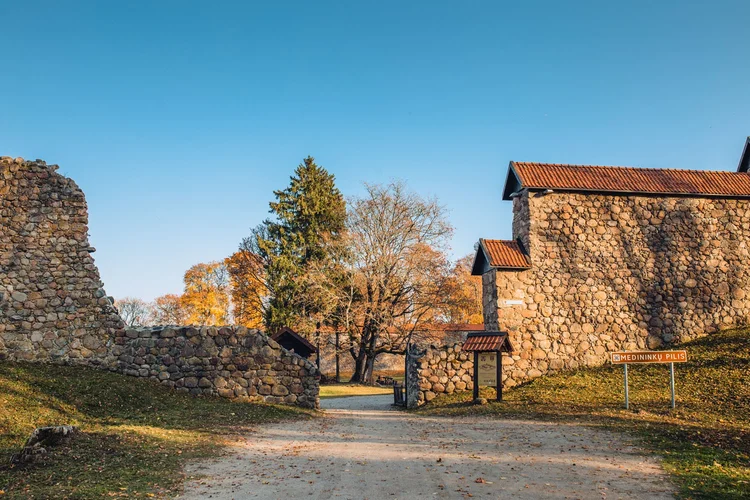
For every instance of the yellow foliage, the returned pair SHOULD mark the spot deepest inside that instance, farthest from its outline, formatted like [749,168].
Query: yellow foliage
[206,297]
[247,288]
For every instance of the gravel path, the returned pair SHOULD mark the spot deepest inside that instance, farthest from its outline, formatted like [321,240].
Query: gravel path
[362,449]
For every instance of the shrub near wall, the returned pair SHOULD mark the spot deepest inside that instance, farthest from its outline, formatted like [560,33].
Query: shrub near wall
[228,361]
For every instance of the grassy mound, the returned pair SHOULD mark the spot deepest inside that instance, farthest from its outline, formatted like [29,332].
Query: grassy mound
[704,442]
[136,434]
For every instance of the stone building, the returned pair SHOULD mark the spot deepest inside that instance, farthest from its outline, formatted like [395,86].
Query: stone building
[611,258]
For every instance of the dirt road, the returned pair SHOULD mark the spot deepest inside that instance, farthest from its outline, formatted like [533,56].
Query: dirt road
[362,449]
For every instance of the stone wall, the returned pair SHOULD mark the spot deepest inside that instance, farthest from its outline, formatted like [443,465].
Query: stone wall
[52,305]
[434,371]
[618,272]
[232,362]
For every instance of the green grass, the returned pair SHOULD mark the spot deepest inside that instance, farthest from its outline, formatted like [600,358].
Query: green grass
[704,442]
[136,435]
[348,390]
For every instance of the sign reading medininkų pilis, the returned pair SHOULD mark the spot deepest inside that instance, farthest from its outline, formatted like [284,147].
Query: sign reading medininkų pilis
[619,358]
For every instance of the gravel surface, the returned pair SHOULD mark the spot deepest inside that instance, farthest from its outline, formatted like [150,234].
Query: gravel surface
[363,449]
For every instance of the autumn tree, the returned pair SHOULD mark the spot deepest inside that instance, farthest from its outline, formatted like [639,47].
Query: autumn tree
[169,310]
[464,304]
[206,297]
[247,288]
[308,218]
[134,311]
[396,273]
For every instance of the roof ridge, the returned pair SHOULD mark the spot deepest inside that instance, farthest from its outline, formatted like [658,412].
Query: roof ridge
[658,169]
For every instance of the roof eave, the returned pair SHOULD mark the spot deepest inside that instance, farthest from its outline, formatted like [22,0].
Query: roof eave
[637,193]
[744,164]
[478,265]
[512,181]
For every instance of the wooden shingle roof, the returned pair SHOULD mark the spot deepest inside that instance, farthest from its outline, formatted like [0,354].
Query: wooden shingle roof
[625,180]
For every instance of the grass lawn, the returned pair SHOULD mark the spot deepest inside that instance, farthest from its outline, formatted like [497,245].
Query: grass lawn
[135,434]
[347,390]
[397,375]
[704,442]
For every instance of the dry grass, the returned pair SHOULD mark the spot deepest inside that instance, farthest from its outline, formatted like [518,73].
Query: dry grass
[136,434]
[348,390]
[704,442]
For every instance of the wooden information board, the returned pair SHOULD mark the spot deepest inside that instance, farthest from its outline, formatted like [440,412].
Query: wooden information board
[487,369]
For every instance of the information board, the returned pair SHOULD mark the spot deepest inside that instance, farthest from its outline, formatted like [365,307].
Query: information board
[487,374]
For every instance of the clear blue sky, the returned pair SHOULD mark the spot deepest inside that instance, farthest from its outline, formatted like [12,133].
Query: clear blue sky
[178,118]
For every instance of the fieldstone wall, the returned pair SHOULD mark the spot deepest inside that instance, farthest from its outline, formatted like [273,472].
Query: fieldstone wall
[437,370]
[232,362]
[52,304]
[617,273]
[53,307]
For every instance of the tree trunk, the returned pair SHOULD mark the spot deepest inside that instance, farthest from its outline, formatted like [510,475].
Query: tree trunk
[360,367]
[369,369]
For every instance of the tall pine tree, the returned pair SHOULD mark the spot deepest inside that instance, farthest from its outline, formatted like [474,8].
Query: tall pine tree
[309,219]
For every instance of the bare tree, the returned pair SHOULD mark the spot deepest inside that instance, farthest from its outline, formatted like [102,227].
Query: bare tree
[134,311]
[169,310]
[393,274]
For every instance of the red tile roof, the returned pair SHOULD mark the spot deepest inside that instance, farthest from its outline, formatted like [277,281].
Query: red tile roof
[490,341]
[505,254]
[627,180]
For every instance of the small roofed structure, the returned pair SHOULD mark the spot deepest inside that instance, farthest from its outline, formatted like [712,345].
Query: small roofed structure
[292,341]
[499,254]
[488,349]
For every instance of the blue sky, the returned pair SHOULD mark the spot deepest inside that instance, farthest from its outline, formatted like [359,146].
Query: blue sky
[178,119]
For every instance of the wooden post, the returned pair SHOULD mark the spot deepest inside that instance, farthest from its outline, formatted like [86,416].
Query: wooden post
[499,365]
[476,375]
[338,373]
[406,373]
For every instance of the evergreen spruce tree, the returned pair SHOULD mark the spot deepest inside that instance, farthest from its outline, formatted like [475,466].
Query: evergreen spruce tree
[309,219]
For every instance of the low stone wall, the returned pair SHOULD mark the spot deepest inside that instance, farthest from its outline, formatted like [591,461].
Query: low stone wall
[233,362]
[437,370]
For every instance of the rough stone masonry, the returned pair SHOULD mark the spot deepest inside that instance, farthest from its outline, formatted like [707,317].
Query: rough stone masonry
[617,272]
[233,362]
[434,371]
[52,304]
[53,307]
